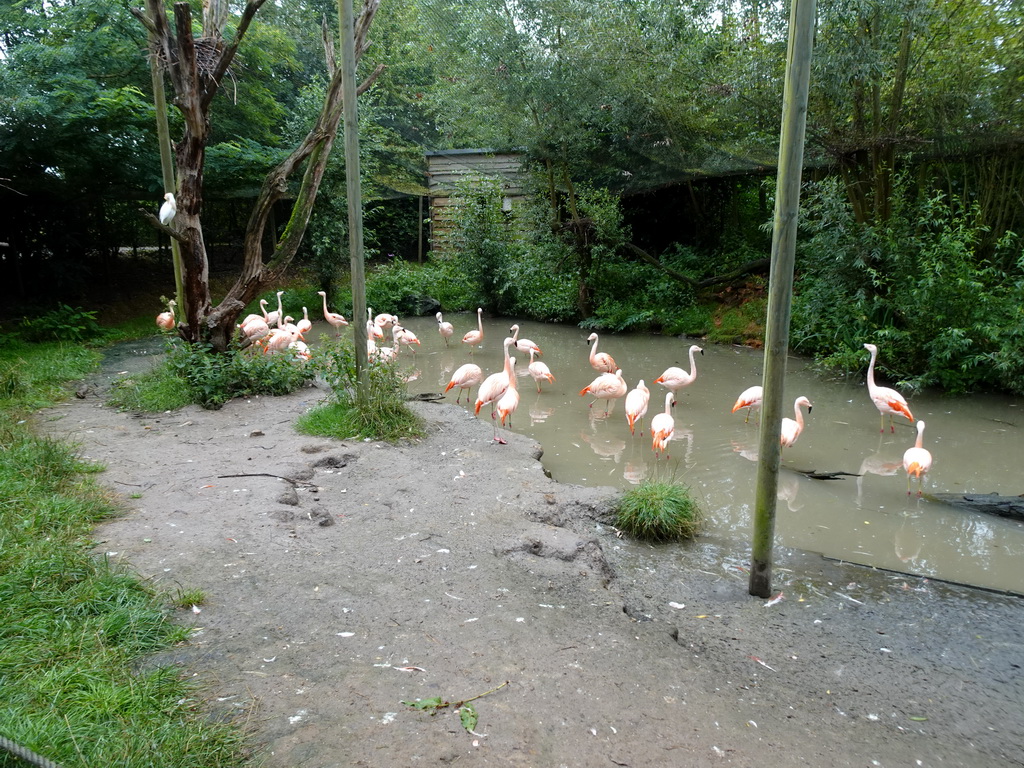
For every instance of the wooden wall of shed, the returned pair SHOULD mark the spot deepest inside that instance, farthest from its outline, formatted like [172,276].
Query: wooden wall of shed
[445,170]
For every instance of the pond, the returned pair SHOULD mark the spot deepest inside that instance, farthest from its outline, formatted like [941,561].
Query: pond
[976,442]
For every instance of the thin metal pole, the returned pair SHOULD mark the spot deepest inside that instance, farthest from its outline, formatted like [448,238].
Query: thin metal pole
[354,192]
[780,288]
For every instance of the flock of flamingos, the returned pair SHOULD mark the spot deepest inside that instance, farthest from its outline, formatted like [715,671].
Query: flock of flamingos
[275,332]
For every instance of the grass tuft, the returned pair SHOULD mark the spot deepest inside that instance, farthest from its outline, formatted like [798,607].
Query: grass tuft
[385,414]
[659,511]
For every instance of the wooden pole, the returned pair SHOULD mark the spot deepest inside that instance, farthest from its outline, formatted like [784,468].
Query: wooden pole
[163,133]
[354,193]
[780,288]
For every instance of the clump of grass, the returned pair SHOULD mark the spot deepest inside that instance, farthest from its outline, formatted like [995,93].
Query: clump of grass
[659,511]
[153,391]
[382,415]
[35,375]
[186,598]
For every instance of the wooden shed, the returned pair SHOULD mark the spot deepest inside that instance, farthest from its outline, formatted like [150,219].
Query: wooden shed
[446,167]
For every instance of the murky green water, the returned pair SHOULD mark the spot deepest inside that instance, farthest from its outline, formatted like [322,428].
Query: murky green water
[977,444]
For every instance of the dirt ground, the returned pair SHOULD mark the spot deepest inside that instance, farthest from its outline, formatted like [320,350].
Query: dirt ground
[343,578]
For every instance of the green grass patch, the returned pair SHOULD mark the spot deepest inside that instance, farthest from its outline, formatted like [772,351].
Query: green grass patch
[659,511]
[74,626]
[382,414]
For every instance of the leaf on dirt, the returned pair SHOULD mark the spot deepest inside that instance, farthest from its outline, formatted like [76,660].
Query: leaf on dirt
[468,716]
[919,719]
[428,705]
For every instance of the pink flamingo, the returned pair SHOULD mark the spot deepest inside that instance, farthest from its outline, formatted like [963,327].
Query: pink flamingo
[305,324]
[887,401]
[474,338]
[749,398]
[333,318]
[465,377]
[600,361]
[791,428]
[494,386]
[663,426]
[508,402]
[539,371]
[607,387]
[405,336]
[165,320]
[674,379]
[523,345]
[636,406]
[917,460]
[445,328]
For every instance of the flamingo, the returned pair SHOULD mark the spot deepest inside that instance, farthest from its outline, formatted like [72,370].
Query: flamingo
[636,405]
[445,328]
[254,328]
[279,339]
[600,361]
[300,349]
[274,318]
[333,318]
[465,377]
[607,387]
[917,460]
[750,398]
[305,324]
[404,336]
[373,331]
[523,345]
[475,338]
[508,402]
[886,400]
[674,379]
[663,426]
[168,210]
[165,320]
[539,371]
[384,320]
[791,428]
[494,386]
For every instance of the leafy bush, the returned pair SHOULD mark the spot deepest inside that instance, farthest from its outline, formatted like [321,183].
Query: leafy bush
[383,415]
[482,240]
[63,324]
[915,285]
[659,511]
[195,374]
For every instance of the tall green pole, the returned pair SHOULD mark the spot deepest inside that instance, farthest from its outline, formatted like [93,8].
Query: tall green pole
[163,133]
[780,288]
[354,192]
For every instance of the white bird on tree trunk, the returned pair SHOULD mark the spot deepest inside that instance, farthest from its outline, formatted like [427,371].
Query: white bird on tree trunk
[168,209]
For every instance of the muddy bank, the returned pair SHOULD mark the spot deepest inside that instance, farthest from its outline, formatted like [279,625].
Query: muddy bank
[344,577]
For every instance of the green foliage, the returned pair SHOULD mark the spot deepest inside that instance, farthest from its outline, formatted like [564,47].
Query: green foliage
[34,375]
[659,511]
[195,374]
[74,626]
[482,239]
[916,286]
[382,415]
[63,324]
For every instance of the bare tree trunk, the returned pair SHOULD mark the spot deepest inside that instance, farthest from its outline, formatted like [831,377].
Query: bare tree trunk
[195,86]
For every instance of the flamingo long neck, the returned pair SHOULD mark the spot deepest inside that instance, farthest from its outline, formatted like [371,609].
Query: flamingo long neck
[508,363]
[798,415]
[871,370]
[280,312]
[325,305]
[693,364]
[263,307]
[593,349]
[919,443]
[668,404]
[480,322]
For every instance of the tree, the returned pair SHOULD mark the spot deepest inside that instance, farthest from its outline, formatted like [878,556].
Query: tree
[196,68]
